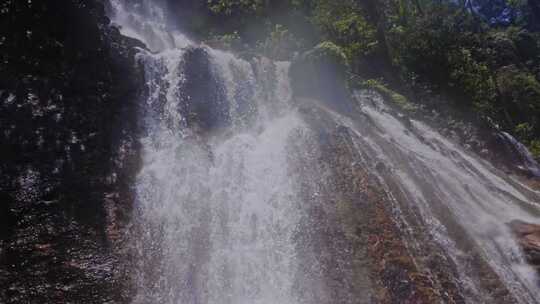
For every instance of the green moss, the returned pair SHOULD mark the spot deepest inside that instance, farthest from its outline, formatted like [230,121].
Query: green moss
[534,147]
[397,99]
[328,52]
[346,25]
[229,7]
[472,78]
[523,130]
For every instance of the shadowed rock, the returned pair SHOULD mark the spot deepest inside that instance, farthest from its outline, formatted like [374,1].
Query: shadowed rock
[320,74]
[205,103]
[68,93]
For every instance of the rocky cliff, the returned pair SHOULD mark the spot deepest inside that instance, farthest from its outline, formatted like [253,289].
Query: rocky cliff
[68,86]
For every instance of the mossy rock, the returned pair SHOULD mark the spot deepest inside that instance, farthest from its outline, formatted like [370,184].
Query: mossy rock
[321,73]
[395,98]
[327,53]
[534,148]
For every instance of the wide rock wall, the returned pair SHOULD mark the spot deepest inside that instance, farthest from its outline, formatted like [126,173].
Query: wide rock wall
[68,89]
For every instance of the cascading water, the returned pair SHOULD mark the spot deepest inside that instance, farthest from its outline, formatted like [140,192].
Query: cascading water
[230,200]
[519,153]
[216,209]
[465,203]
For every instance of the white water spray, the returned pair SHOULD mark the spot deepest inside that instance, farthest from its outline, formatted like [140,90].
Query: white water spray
[218,210]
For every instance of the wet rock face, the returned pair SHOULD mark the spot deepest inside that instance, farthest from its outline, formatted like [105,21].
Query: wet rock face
[205,103]
[320,73]
[68,90]
[515,155]
[528,236]
[353,213]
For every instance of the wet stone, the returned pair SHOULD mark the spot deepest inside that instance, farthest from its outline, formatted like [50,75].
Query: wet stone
[528,237]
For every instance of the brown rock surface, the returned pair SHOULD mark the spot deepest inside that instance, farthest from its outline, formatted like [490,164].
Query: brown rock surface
[528,237]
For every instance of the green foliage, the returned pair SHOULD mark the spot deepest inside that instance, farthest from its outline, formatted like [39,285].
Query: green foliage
[488,70]
[426,45]
[344,23]
[329,52]
[473,78]
[520,91]
[230,7]
[525,131]
[534,147]
[519,87]
[357,36]
[421,46]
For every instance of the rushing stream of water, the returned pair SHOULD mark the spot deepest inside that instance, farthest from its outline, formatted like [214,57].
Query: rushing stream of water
[218,208]
[217,214]
[464,202]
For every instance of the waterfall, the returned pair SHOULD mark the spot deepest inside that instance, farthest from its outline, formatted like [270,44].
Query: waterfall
[247,194]
[216,209]
[464,202]
[519,154]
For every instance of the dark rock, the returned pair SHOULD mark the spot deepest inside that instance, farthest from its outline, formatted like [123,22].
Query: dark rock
[68,92]
[204,97]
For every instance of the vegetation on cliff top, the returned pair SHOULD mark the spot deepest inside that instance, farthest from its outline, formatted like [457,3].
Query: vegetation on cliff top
[483,54]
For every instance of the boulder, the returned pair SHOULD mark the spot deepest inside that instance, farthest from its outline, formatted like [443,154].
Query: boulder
[204,99]
[321,73]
